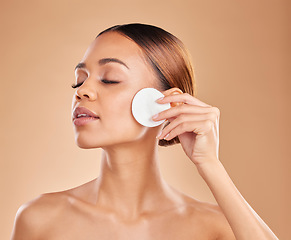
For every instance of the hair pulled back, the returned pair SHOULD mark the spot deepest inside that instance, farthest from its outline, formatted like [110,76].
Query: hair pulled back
[166,54]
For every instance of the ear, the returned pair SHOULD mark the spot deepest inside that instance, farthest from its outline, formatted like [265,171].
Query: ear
[173,91]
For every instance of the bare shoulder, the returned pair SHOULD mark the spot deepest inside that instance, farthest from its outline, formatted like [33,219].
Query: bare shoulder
[33,216]
[209,216]
[38,215]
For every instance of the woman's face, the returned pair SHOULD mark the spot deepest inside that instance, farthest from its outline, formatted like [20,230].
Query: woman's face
[111,101]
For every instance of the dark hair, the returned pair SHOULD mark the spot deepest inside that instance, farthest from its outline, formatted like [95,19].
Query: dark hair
[166,54]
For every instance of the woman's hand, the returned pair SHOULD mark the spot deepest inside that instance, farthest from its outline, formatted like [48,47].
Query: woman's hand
[195,123]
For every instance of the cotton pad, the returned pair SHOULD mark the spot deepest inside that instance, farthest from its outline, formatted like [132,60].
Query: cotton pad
[144,106]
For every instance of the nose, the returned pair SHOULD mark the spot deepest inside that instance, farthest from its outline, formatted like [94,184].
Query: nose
[86,91]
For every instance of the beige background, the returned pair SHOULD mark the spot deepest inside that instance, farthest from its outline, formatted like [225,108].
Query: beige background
[239,50]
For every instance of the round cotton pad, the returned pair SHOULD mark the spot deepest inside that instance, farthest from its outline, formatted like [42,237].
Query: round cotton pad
[144,106]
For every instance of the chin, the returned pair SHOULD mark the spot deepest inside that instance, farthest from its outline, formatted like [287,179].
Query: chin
[85,142]
[85,145]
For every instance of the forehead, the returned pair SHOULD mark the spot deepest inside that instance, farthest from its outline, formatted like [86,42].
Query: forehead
[114,45]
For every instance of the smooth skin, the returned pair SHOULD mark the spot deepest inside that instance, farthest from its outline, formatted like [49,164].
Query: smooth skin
[129,199]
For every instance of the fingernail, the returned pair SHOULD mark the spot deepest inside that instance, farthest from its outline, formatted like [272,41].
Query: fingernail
[159,99]
[160,133]
[155,116]
[166,136]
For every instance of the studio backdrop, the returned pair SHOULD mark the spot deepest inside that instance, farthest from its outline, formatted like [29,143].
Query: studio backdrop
[240,52]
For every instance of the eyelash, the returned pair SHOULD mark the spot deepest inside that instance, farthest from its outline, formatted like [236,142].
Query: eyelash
[103,80]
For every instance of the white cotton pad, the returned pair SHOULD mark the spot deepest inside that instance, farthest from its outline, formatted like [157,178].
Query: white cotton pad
[144,106]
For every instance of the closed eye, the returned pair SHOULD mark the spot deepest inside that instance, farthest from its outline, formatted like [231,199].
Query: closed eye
[103,80]
[76,85]
[108,81]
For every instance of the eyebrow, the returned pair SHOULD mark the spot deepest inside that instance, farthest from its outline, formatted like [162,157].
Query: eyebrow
[80,65]
[103,61]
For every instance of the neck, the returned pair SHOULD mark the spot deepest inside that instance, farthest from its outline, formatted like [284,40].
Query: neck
[130,181]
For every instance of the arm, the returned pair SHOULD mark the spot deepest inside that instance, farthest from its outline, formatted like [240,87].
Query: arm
[197,126]
[244,221]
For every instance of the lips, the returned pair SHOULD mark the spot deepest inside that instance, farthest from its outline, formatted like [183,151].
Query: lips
[80,112]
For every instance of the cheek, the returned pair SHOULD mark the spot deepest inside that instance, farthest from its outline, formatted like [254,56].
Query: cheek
[118,113]
[120,118]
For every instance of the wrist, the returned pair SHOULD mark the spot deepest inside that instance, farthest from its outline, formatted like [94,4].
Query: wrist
[209,168]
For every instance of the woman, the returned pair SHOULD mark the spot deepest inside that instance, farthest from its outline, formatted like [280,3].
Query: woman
[129,199]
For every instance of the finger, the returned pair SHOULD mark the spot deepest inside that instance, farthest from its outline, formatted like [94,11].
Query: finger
[186,109]
[188,118]
[182,98]
[199,128]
